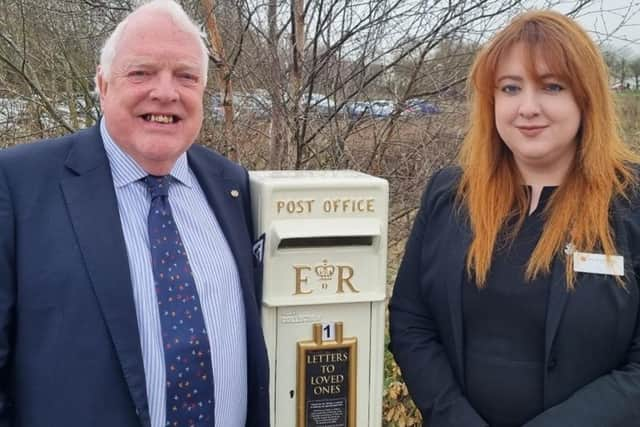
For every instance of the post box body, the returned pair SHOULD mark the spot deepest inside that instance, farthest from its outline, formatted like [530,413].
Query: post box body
[324,262]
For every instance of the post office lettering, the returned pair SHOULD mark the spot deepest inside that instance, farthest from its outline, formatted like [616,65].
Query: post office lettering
[293,207]
[348,205]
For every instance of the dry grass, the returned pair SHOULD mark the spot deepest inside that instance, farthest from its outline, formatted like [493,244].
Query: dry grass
[629,110]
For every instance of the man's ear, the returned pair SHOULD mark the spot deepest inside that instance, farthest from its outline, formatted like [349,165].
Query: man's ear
[101,82]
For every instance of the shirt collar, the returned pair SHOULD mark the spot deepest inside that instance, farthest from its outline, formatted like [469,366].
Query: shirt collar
[125,170]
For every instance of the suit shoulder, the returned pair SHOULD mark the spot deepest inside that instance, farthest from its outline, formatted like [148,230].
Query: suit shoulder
[442,185]
[630,200]
[227,167]
[40,154]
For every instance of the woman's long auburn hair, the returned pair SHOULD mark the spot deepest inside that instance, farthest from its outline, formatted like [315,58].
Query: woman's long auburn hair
[491,187]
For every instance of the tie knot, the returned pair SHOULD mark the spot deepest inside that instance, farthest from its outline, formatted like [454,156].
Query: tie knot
[158,185]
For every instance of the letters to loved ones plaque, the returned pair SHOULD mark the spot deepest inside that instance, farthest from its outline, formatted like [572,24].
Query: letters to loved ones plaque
[327,378]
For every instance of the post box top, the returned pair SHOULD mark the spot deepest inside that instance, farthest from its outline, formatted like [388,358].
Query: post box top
[276,176]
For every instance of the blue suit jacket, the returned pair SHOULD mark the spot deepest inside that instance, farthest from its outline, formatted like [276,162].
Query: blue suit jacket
[592,335]
[69,345]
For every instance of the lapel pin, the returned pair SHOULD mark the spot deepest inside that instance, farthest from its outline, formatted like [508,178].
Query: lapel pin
[569,249]
[234,193]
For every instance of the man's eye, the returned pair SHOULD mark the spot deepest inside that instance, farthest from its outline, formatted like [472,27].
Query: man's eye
[137,73]
[189,77]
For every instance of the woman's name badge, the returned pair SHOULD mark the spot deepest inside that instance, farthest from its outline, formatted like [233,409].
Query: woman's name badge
[585,262]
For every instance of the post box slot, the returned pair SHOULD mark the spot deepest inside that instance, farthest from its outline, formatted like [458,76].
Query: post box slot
[324,233]
[325,241]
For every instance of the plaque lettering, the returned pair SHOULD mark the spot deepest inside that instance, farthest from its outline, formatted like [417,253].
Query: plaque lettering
[327,380]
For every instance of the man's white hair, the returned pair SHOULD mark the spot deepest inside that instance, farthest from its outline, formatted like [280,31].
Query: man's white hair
[167,7]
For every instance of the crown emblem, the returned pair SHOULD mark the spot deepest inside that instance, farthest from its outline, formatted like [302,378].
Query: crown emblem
[325,271]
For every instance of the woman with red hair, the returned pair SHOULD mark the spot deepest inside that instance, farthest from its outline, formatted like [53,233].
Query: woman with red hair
[517,301]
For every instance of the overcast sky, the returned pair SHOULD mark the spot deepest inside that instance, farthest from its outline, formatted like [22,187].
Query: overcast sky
[622,17]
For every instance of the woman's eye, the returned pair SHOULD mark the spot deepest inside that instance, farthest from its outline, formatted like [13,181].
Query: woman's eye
[510,89]
[553,87]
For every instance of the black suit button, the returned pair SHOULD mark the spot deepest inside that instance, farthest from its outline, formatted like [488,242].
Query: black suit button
[551,365]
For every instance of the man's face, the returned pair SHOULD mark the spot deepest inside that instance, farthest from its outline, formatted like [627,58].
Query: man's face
[152,99]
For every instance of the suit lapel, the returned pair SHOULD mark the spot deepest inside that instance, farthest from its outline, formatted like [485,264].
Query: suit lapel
[228,209]
[556,302]
[456,269]
[92,206]
[228,204]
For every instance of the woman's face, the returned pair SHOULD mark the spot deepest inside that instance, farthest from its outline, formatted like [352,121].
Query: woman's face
[537,120]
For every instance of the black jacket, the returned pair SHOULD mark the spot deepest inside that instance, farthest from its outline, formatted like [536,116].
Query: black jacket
[592,337]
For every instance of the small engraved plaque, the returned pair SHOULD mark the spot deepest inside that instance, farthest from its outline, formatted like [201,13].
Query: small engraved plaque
[327,380]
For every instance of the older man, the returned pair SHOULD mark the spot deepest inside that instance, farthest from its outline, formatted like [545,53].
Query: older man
[128,290]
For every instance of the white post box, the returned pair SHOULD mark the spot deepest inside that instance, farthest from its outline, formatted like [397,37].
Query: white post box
[324,253]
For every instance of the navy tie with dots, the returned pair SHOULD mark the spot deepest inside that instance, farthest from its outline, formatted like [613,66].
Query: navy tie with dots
[189,381]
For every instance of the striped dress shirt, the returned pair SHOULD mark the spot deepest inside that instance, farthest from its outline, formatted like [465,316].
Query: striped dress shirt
[215,274]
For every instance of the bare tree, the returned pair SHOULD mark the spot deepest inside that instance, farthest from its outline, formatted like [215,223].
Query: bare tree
[304,65]
[223,73]
[634,67]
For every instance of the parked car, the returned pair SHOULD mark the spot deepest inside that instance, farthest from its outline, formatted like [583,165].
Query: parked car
[416,106]
[357,109]
[382,108]
[376,109]
[254,105]
[217,110]
[318,103]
